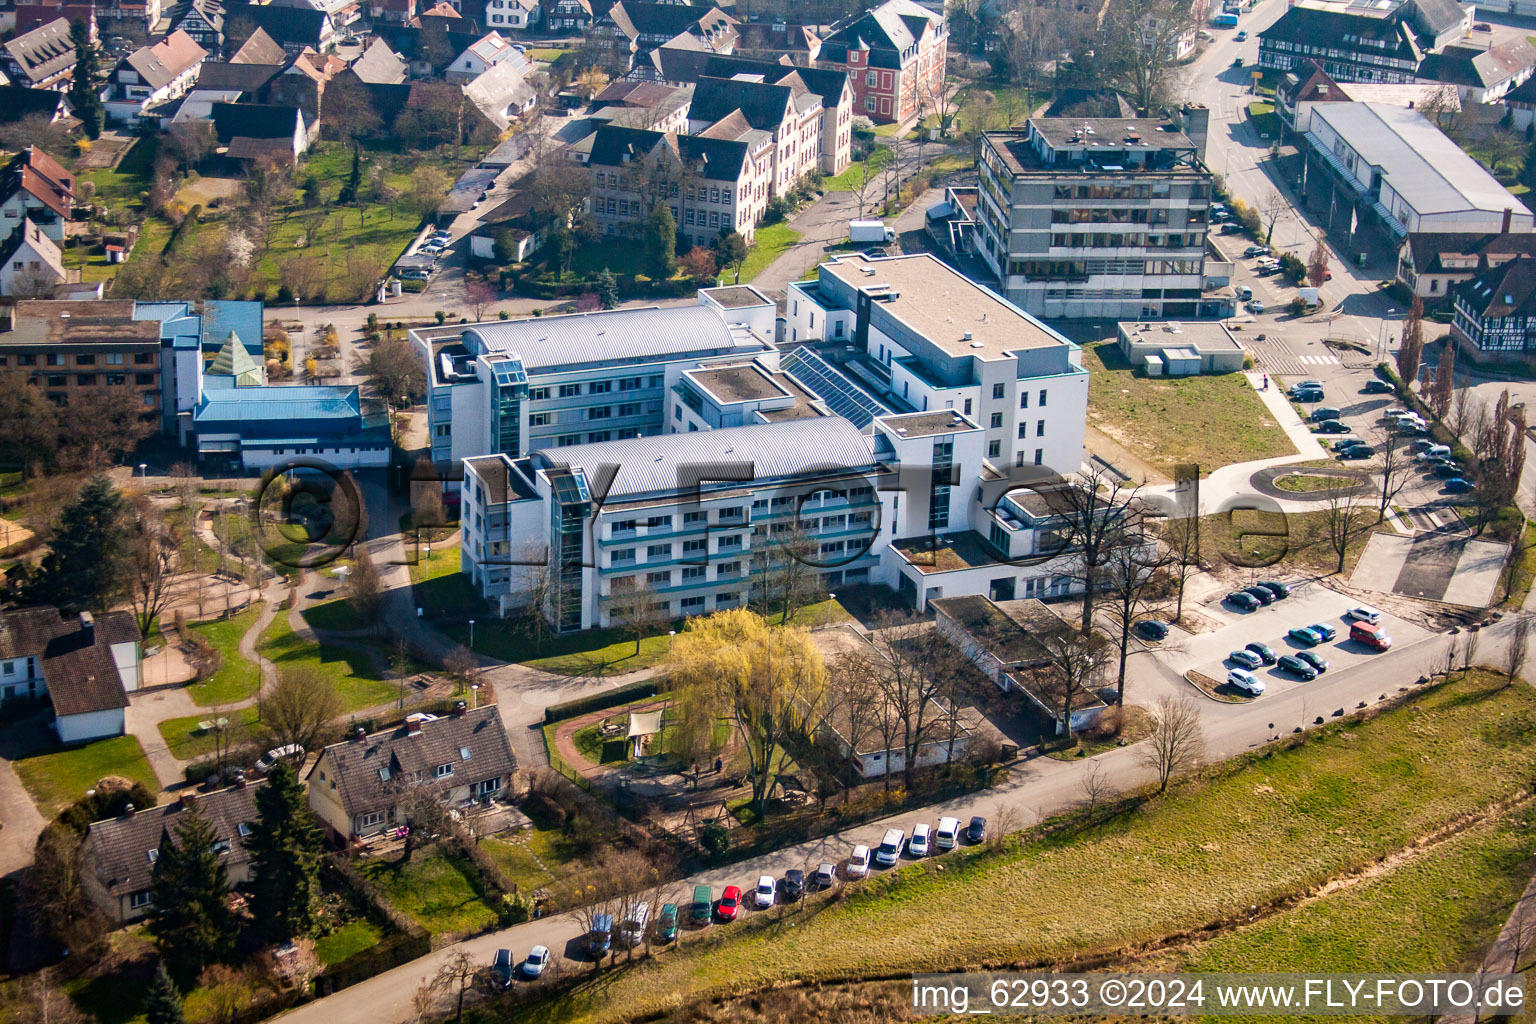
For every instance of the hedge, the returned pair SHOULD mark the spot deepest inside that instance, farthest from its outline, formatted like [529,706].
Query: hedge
[599,701]
[388,953]
[630,287]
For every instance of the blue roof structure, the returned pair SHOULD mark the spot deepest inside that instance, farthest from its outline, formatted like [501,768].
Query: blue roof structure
[244,317]
[179,325]
[284,412]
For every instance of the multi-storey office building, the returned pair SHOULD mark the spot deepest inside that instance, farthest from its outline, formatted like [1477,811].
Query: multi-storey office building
[515,386]
[879,448]
[1098,217]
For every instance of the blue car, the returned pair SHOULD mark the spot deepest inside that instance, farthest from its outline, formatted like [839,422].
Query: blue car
[1458,485]
[1323,630]
[1307,635]
[1243,600]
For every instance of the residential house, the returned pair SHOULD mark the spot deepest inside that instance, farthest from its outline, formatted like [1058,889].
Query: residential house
[43,58]
[203,20]
[518,15]
[379,65]
[153,75]
[30,14]
[1351,47]
[1089,103]
[357,787]
[1495,313]
[429,49]
[1438,22]
[502,94]
[31,265]
[834,88]
[722,184]
[635,28]
[247,81]
[1482,74]
[292,28]
[120,852]
[257,131]
[1429,264]
[741,107]
[798,43]
[515,216]
[894,55]
[567,15]
[19,102]
[85,664]
[34,185]
[302,83]
[653,105]
[260,48]
[392,12]
[485,53]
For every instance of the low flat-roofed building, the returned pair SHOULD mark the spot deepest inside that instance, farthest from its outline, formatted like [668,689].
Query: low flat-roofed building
[1181,347]
[1403,174]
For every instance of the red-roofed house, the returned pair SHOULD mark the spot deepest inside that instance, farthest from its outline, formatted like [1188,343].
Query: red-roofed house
[34,185]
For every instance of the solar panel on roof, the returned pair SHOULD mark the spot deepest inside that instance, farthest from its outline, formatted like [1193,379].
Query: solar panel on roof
[842,396]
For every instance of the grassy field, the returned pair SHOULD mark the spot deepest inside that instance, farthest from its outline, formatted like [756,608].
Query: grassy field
[1294,818]
[432,890]
[1212,420]
[351,938]
[236,678]
[848,180]
[1264,119]
[187,741]
[1305,482]
[338,615]
[533,861]
[58,779]
[771,243]
[1527,571]
[349,669]
[1298,540]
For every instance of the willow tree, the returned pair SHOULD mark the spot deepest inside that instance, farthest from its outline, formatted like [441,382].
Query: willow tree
[768,680]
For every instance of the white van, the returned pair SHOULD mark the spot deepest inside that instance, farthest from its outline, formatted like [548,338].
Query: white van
[948,834]
[1244,293]
[1365,613]
[633,928]
[918,847]
[890,847]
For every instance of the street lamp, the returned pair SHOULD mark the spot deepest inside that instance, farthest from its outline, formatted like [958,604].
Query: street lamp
[471,634]
[1381,335]
[142,467]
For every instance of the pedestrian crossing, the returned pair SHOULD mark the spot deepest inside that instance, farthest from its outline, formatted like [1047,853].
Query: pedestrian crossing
[1318,360]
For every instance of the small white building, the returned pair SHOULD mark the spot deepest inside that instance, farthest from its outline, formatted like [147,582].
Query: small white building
[512,14]
[152,75]
[1174,348]
[86,665]
[483,54]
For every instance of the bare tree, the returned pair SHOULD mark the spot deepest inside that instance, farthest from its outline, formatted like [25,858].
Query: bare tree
[152,548]
[1396,470]
[1443,107]
[1142,41]
[1077,664]
[785,565]
[184,480]
[1519,646]
[1272,206]
[914,669]
[1182,537]
[1135,571]
[419,807]
[633,608]
[1096,510]
[1445,379]
[35,282]
[365,590]
[460,665]
[299,707]
[456,977]
[1469,645]
[1177,743]
[481,295]
[1343,520]
[1096,784]
[1411,349]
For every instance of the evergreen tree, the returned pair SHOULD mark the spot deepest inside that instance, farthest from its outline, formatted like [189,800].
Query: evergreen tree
[162,1003]
[353,188]
[607,288]
[661,242]
[285,856]
[85,87]
[189,911]
[86,566]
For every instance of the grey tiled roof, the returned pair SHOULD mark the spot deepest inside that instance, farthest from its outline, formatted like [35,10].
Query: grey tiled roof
[120,847]
[81,676]
[367,773]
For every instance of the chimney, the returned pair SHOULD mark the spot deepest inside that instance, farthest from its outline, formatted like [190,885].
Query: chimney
[129,811]
[88,621]
[413,727]
[1508,213]
[188,800]
[460,709]
[240,781]
[358,734]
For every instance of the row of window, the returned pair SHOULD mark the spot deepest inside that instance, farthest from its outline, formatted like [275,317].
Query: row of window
[594,387]
[86,380]
[596,412]
[80,359]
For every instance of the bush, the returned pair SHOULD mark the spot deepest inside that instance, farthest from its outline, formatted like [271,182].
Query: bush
[599,701]
[104,804]
[1292,267]
[1298,306]
[715,839]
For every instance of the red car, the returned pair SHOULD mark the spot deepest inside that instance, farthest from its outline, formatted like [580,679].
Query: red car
[730,903]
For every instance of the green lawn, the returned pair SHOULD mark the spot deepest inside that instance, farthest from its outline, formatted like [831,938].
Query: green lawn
[351,938]
[1265,120]
[1295,818]
[1295,540]
[771,243]
[848,180]
[432,890]
[236,678]
[432,561]
[520,859]
[338,615]
[187,741]
[1212,420]
[1303,482]
[58,779]
[349,669]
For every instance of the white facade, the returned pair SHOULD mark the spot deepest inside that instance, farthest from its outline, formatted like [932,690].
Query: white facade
[511,14]
[94,725]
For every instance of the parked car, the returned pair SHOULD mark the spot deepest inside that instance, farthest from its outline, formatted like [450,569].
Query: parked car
[1481,26]
[1333,427]
[1246,681]
[825,877]
[1246,658]
[632,931]
[1255,250]
[1296,667]
[794,884]
[1324,412]
[1152,629]
[1306,635]
[1237,62]
[1265,652]
[1280,590]
[1446,470]
[1434,451]
[730,903]
[1241,36]
[890,847]
[1359,451]
[1457,485]
[538,959]
[1307,395]
[600,936]
[1346,442]
[977,831]
[858,862]
[1314,659]
[1324,630]
[917,846]
[1373,636]
[1264,594]
[1243,601]
[1255,306]
[287,752]
[1231,227]
[702,906]
[1310,382]
[501,967]
[1266,269]
[766,891]
[1376,387]
[431,249]
[948,834]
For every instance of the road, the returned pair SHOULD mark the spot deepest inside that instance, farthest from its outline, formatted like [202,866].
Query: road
[1036,789]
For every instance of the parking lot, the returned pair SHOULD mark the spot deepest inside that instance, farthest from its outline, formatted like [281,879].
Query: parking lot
[1309,603]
